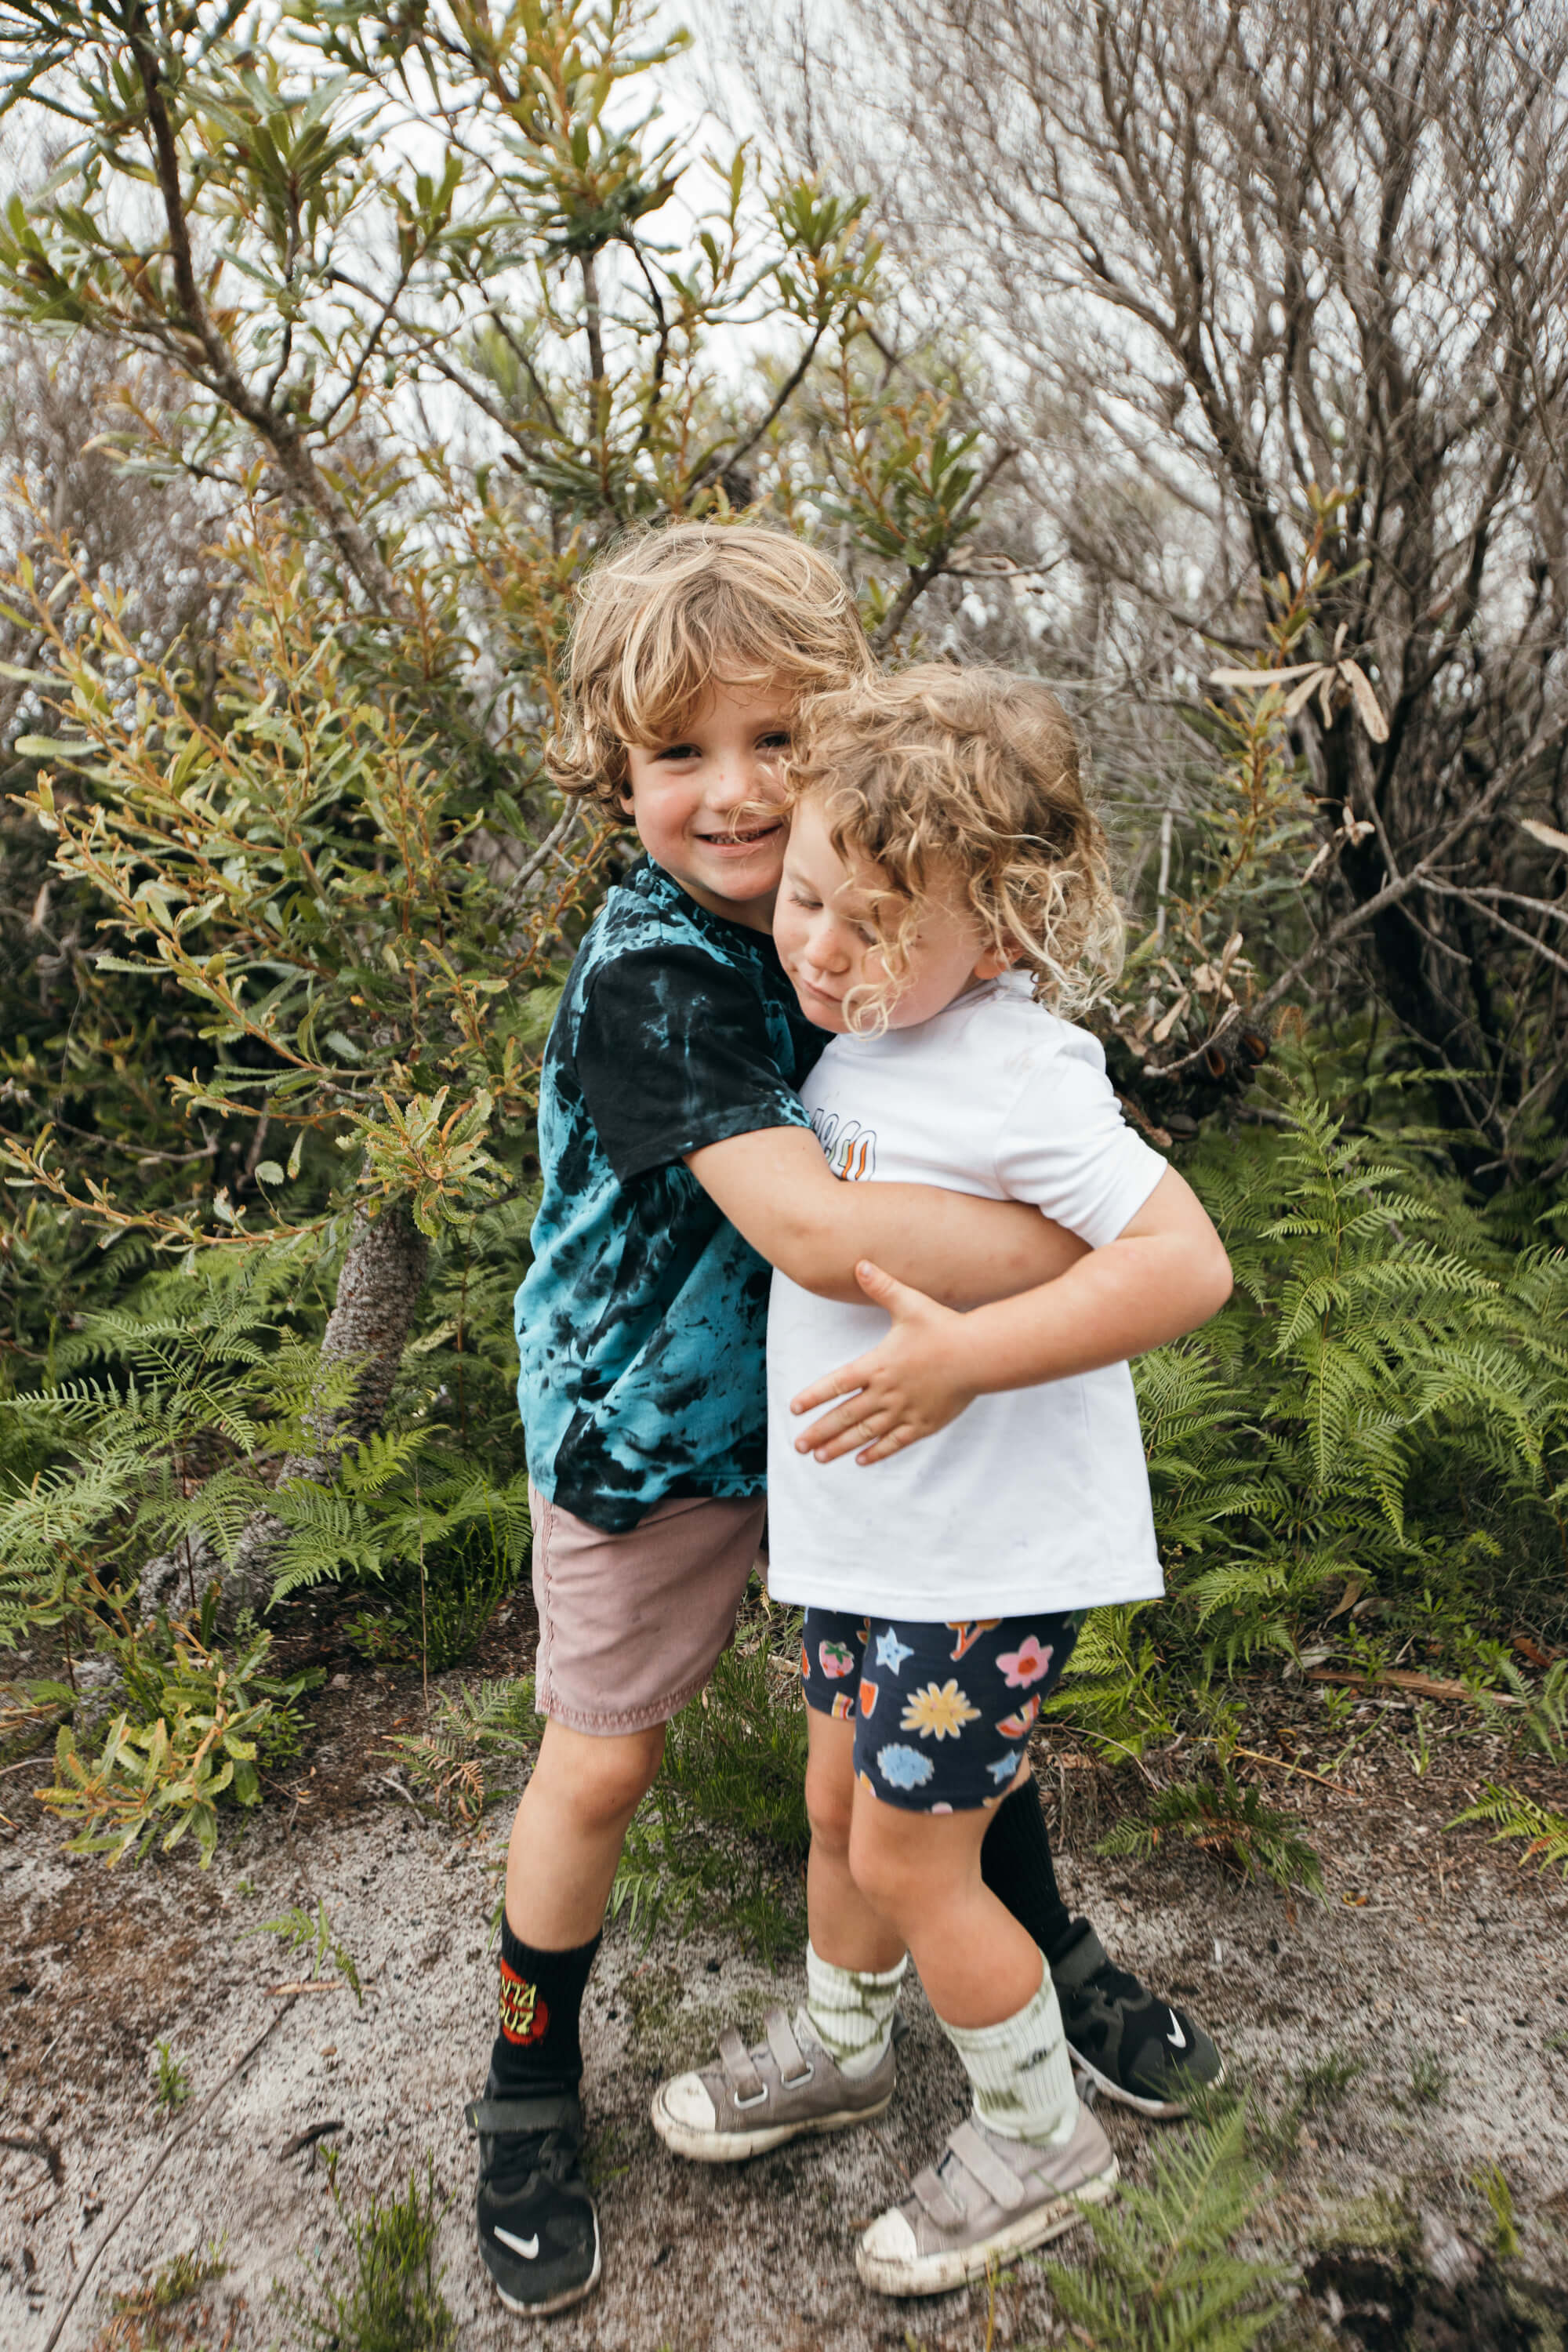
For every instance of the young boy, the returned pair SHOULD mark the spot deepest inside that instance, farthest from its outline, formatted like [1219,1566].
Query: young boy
[942,869]
[641,1322]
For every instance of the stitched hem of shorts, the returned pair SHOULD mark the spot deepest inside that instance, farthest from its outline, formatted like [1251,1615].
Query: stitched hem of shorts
[541,1571]
[607,1725]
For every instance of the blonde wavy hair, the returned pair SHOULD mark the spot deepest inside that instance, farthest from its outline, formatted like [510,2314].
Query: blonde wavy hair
[666,613]
[937,776]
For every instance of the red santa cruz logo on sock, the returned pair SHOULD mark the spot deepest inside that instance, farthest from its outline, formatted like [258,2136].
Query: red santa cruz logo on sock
[523,2016]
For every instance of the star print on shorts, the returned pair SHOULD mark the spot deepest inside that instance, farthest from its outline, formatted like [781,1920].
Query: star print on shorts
[891,1652]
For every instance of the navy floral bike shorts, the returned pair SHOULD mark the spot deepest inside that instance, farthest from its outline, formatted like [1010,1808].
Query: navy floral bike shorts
[942,1713]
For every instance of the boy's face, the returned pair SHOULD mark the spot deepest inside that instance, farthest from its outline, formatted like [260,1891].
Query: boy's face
[823,931]
[686,796]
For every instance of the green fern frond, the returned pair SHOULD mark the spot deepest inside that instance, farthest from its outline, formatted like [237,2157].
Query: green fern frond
[1162,2274]
[1512,1815]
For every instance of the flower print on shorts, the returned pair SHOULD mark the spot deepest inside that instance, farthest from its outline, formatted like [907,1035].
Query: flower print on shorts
[938,1714]
[969,1630]
[891,1652]
[1025,1665]
[954,1741]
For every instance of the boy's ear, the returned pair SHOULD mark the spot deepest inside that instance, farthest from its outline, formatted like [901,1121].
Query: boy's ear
[994,962]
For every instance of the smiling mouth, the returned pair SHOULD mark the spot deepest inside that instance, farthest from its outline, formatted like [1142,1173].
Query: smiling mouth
[749,839]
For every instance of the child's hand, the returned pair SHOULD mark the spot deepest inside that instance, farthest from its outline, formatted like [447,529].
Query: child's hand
[913,1383]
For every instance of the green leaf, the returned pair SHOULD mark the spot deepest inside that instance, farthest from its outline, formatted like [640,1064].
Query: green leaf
[48,747]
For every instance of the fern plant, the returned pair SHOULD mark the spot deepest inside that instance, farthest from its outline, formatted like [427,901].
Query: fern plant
[1164,2274]
[1537,1721]
[197,1383]
[1385,1397]
[1512,1815]
[1225,1818]
[475,1736]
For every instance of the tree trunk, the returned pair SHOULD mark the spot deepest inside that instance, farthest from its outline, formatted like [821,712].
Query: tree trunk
[379,1289]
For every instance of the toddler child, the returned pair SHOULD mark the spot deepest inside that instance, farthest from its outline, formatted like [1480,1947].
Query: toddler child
[945,903]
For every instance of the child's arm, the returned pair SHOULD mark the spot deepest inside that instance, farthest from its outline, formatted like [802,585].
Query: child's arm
[1165,1273]
[774,1185]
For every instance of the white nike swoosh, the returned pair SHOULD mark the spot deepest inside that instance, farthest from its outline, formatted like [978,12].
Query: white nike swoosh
[1176,2038]
[527,2247]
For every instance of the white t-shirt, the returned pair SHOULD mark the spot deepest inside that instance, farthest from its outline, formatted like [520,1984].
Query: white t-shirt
[1033,1498]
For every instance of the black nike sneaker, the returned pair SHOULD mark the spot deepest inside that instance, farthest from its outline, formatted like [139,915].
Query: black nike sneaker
[1140,2051]
[539,2234]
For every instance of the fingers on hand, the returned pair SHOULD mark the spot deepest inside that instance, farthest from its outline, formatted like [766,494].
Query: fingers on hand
[894,1442]
[842,1436]
[845,1382]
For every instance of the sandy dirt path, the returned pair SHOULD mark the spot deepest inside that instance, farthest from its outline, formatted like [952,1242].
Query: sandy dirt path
[1426,1949]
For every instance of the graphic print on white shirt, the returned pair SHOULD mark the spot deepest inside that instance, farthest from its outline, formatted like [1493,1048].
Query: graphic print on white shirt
[1033,1498]
[850,1149]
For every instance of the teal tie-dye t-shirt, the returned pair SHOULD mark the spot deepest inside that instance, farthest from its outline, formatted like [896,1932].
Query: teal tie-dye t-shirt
[642,1322]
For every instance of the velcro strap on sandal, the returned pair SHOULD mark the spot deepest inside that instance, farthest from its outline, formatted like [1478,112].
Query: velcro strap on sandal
[938,2200]
[553,2111]
[999,2182]
[744,2079]
[792,2065]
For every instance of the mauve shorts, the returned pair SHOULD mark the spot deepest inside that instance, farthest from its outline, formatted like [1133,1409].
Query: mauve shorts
[631,1626]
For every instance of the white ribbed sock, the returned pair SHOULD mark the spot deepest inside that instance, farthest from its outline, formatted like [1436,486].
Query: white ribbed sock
[1021,2070]
[851,2011]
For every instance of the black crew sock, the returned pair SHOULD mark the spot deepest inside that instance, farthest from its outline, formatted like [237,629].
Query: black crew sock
[537,2050]
[1015,1864]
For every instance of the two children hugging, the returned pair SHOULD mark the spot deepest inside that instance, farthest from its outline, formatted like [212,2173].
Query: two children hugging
[865,905]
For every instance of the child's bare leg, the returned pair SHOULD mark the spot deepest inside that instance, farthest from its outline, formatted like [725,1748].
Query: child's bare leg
[569,1828]
[1015,2173]
[836,2069]
[920,1872]
[845,1929]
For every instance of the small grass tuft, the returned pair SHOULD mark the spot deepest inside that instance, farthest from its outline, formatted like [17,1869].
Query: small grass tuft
[1430,2078]
[171,2082]
[312,1933]
[1493,2184]
[391,2299]
[143,2320]
[1324,2085]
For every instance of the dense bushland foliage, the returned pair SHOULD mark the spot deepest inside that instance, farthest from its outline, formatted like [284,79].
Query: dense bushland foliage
[386,321]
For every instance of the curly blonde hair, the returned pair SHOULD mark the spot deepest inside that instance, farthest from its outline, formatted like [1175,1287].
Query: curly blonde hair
[939,775]
[666,613]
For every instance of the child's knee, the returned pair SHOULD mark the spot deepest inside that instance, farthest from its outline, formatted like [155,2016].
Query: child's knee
[610,1778]
[829,1802]
[884,1859]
